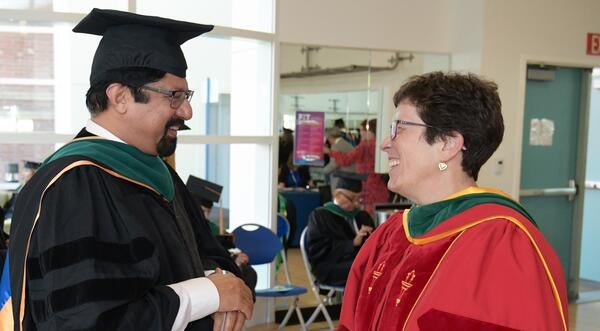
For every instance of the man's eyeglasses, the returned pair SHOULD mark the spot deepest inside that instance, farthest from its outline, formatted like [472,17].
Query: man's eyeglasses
[177,96]
[397,123]
[355,199]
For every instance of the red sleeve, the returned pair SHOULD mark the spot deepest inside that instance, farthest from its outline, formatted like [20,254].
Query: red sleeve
[494,274]
[344,159]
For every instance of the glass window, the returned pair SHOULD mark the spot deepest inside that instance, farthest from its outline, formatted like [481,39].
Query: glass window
[233,77]
[66,6]
[16,154]
[44,76]
[256,15]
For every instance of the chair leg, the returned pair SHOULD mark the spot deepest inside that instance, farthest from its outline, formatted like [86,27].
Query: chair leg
[314,314]
[329,297]
[321,308]
[327,317]
[293,306]
[303,326]
[286,318]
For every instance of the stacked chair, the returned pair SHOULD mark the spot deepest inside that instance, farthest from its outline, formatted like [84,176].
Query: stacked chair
[318,287]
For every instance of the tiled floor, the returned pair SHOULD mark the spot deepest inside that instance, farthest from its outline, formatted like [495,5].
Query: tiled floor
[582,317]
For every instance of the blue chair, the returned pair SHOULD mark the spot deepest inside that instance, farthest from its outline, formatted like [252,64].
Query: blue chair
[316,286]
[283,232]
[262,246]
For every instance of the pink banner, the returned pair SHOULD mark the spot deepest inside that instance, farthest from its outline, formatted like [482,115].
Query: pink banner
[310,137]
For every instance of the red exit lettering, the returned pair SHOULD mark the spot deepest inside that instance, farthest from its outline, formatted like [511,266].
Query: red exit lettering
[593,43]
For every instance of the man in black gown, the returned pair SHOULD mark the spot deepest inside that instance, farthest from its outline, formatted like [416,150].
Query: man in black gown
[336,232]
[100,239]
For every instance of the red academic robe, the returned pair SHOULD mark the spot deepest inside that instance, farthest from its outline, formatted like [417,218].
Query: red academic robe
[487,268]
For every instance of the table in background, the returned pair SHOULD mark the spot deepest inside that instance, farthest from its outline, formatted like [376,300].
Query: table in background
[305,202]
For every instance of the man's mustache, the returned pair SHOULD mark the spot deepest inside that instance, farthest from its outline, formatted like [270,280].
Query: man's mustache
[175,122]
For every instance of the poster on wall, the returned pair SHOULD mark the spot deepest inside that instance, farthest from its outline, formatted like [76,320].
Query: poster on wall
[310,133]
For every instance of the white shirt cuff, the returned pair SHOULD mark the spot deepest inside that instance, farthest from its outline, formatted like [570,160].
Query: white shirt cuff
[198,298]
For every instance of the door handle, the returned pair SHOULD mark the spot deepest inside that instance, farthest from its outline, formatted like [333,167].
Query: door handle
[570,191]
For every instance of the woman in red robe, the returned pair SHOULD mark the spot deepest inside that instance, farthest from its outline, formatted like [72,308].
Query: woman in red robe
[363,155]
[463,257]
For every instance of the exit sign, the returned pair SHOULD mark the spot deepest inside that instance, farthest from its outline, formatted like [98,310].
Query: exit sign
[593,43]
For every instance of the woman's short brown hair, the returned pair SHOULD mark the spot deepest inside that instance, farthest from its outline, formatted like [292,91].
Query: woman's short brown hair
[463,103]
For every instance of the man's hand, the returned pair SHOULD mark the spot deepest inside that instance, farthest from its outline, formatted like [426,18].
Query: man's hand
[234,295]
[229,321]
[364,231]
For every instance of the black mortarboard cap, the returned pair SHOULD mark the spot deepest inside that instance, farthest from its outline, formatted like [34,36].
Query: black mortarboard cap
[204,190]
[131,40]
[349,181]
[31,165]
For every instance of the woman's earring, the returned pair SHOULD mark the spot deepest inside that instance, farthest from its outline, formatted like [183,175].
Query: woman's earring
[442,166]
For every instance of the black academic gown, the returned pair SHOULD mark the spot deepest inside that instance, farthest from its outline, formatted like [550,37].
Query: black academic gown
[330,247]
[102,252]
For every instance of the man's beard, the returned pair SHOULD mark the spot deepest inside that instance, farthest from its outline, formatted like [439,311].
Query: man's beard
[166,146]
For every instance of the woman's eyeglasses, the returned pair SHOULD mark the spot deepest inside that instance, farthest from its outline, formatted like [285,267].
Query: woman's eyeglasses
[397,123]
[177,96]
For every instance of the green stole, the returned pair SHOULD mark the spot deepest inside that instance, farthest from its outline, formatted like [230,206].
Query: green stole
[124,159]
[348,215]
[421,219]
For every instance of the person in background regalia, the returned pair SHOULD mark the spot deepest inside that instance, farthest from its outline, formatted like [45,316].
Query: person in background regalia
[337,231]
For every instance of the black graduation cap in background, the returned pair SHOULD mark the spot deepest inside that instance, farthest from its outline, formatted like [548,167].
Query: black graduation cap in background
[133,40]
[349,181]
[204,191]
[31,165]
[183,127]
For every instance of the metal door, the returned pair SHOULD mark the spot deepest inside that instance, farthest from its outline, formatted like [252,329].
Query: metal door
[550,166]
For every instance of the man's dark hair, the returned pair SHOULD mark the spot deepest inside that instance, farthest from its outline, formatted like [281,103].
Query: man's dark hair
[462,103]
[96,99]
[339,123]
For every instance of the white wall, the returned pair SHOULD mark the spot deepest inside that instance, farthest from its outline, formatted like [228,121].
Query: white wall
[466,35]
[379,24]
[494,38]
